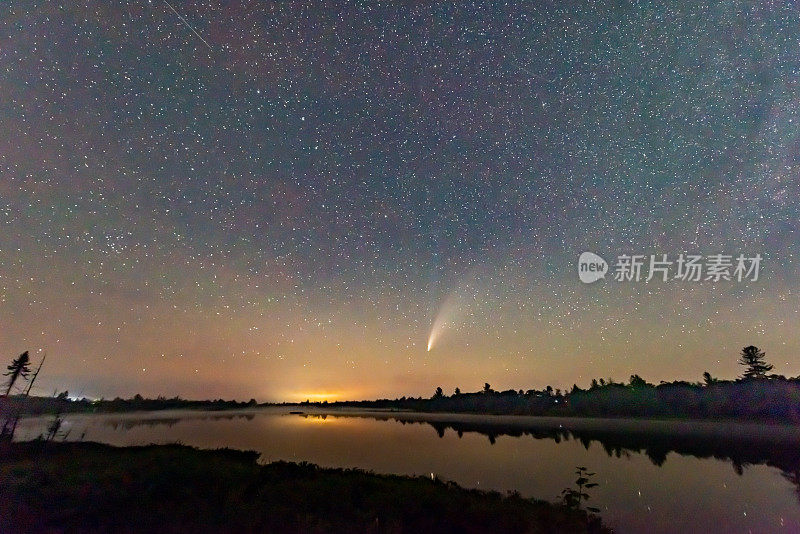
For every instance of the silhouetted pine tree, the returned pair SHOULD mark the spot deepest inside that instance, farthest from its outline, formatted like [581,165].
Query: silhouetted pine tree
[753,359]
[20,367]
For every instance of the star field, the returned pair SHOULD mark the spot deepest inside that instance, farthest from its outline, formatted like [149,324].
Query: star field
[281,206]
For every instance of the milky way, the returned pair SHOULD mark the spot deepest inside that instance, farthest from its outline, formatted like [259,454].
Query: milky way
[278,207]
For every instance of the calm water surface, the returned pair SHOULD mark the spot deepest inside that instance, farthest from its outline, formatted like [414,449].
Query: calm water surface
[662,478]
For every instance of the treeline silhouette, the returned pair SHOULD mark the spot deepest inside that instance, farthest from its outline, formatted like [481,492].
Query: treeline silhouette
[16,404]
[756,395]
[61,403]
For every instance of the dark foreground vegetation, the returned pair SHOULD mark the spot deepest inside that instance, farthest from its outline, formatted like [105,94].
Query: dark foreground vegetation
[88,487]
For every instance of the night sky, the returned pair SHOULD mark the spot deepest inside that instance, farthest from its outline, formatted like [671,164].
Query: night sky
[283,200]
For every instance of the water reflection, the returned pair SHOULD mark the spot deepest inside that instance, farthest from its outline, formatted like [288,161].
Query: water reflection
[654,476]
[128,423]
[741,449]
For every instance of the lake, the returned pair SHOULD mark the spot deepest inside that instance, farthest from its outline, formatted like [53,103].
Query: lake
[652,476]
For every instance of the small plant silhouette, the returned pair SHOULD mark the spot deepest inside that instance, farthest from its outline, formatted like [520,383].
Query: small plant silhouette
[573,497]
[54,429]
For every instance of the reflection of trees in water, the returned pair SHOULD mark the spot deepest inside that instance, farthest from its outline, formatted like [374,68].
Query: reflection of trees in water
[741,451]
[127,424]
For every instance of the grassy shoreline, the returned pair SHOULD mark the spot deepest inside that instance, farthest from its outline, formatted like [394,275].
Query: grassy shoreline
[90,487]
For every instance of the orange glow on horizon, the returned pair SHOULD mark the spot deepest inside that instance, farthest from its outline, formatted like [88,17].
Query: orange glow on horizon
[319,396]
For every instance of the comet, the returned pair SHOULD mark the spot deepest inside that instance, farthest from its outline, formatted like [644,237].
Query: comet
[452,309]
[440,321]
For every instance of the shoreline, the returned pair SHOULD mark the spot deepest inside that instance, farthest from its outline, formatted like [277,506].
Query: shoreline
[95,487]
